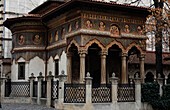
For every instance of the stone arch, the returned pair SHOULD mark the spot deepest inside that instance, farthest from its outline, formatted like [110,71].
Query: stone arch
[134,44]
[72,42]
[20,59]
[36,56]
[149,77]
[92,42]
[114,42]
[151,71]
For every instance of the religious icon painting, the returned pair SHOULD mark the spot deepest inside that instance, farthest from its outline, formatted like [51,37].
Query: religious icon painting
[63,31]
[126,28]
[139,30]
[69,28]
[36,39]
[56,35]
[102,26]
[21,40]
[114,30]
[88,24]
[51,38]
[76,25]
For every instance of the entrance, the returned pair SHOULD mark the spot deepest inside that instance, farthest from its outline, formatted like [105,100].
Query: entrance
[113,62]
[93,64]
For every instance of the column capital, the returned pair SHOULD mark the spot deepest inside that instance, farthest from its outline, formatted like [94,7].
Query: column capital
[103,52]
[142,55]
[123,54]
[82,51]
[69,54]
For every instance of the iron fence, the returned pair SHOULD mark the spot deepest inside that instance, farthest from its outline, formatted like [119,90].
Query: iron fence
[35,88]
[102,94]
[43,89]
[126,93]
[17,89]
[54,89]
[74,93]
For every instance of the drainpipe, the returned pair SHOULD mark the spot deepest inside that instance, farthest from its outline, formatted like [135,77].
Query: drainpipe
[46,44]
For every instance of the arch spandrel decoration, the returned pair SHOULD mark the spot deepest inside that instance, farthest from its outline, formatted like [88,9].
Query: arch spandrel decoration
[88,44]
[73,42]
[21,57]
[114,42]
[134,44]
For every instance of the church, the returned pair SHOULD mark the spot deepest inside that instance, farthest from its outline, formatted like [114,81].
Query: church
[80,36]
[84,45]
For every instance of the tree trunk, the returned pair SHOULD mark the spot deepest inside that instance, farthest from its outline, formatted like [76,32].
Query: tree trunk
[158,39]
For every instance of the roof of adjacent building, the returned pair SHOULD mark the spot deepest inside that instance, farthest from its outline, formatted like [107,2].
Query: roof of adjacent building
[150,58]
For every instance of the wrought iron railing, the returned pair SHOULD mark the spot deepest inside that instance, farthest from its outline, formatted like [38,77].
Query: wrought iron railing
[35,88]
[74,93]
[54,90]
[126,93]
[43,89]
[17,89]
[102,94]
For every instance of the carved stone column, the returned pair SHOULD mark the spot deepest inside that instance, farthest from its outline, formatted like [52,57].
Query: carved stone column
[142,69]
[124,78]
[103,66]
[82,53]
[69,67]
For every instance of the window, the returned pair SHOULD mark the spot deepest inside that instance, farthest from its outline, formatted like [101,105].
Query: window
[21,70]
[56,68]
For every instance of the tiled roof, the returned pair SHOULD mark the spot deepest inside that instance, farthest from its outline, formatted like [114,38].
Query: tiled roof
[150,58]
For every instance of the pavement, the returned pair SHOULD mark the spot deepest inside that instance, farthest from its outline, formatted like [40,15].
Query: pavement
[24,107]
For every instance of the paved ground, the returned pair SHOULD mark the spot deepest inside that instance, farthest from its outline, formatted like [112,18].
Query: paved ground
[24,107]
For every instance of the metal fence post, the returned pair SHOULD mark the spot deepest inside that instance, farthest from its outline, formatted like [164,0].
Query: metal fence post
[114,82]
[62,80]
[32,78]
[40,78]
[49,85]
[138,90]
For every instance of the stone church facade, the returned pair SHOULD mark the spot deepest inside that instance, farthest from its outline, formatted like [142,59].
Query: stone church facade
[77,37]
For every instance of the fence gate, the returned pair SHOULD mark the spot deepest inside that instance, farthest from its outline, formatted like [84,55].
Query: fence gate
[54,91]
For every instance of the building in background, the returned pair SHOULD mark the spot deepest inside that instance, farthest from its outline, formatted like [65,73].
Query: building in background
[8,9]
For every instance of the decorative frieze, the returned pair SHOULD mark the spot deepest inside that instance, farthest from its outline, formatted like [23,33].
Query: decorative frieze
[112,18]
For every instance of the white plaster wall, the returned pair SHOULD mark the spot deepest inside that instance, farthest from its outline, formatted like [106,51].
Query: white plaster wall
[63,63]
[51,66]
[36,65]
[14,71]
